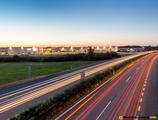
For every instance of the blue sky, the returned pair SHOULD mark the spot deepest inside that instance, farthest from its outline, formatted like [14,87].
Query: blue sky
[78,22]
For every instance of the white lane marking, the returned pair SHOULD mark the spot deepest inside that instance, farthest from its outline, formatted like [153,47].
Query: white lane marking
[141,100]
[142,94]
[139,108]
[143,89]
[144,85]
[103,110]
[128,78]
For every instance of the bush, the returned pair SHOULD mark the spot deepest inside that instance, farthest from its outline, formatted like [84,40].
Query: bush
[16,58]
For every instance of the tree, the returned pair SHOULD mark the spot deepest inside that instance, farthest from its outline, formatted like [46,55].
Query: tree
[90,53]
[16,58]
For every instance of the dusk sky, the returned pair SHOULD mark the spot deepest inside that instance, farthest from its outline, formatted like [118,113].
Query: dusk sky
[78,22]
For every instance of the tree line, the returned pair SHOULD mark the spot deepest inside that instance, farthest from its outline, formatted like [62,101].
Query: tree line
[90,55]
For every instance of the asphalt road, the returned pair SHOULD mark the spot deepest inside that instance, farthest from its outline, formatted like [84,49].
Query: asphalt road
[15,99]
[149,106]
[130,94]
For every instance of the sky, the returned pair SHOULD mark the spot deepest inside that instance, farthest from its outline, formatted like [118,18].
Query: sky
[78,22]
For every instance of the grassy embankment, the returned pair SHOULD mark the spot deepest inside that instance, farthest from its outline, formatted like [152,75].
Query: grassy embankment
[11,72]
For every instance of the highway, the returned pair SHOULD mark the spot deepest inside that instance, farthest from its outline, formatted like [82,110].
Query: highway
[130,94]
[18,98]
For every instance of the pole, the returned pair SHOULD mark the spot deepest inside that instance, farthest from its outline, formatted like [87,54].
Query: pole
[29,71]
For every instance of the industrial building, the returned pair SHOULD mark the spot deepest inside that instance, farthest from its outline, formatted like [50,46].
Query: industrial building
[50,50]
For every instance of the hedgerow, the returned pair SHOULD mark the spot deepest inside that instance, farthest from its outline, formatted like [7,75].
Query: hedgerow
[56,58]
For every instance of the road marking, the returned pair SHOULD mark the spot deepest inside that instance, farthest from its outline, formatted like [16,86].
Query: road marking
[139,108]
[143,89]
[103,110]
[141,100]
[80,106]
[128,78]
[144,85]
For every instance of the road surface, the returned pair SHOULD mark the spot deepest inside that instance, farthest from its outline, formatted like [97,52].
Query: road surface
[15,99]
[131,93]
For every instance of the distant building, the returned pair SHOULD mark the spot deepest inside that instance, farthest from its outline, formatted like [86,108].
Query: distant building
[4,50]
[27,50]
[130,49]
[15,50]
[53,50]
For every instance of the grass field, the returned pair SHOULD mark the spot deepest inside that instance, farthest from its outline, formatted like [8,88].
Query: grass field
[17,71]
